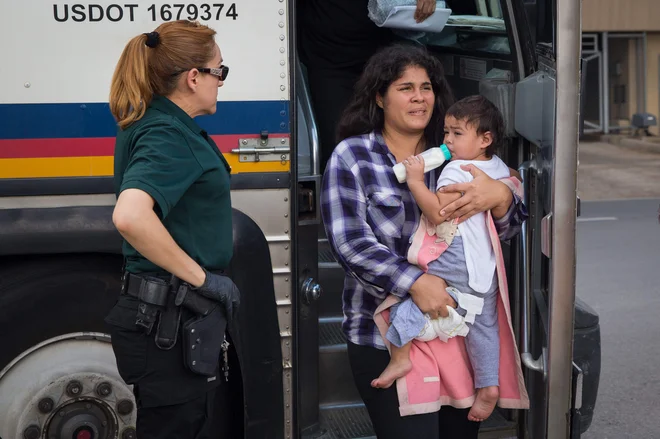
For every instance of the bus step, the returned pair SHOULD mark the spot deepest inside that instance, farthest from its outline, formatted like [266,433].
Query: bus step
[498,427]
[350,421]
[336,385]
[325,255]
[330,333]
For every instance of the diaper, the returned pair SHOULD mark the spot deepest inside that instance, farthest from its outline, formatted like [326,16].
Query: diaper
[454,324]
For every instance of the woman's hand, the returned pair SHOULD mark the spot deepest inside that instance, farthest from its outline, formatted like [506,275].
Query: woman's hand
[430,295]
[481,194]
[414,168]
[425,8]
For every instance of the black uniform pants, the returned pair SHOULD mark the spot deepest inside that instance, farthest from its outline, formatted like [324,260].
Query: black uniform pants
[367,363]
[191,419]
[172,402]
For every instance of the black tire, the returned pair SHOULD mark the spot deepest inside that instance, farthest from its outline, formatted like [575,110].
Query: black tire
[43,297]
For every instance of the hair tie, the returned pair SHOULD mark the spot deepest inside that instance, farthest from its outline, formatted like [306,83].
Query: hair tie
[152,39]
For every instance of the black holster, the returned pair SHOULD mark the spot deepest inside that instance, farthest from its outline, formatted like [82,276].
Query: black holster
[152,294]
[155,307]
[204,334]
[168,325]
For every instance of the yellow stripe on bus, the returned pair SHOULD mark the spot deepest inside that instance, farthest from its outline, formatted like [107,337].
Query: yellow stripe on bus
[56,167]
[103,166]
[240,167]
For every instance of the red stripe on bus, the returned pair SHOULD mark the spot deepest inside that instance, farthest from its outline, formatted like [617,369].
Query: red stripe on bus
[37,148]
[89,146]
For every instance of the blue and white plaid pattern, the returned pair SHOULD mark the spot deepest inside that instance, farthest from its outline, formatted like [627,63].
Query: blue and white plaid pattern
[369,219]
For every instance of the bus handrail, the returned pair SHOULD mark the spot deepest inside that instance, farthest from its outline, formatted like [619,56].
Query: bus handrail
[526,356]
[308,112]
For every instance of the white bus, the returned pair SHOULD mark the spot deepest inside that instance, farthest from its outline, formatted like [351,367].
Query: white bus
[60,258]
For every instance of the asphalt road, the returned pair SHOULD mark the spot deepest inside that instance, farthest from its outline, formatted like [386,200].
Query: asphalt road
[618,274]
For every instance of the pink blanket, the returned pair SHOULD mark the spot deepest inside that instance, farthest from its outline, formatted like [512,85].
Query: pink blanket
[441,373]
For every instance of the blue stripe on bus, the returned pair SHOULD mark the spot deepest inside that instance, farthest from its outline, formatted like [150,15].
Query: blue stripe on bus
[48,121]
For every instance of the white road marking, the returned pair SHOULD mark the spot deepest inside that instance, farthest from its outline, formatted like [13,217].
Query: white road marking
[599,218]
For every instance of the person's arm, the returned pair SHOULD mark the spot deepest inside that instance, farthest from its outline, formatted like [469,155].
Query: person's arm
[514,173]
[479,195]
[482,194]
[511,223]
[429,203]
[136,221]
[161,169]
[344,211]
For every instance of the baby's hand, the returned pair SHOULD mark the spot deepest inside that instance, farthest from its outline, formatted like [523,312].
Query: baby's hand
[414,168]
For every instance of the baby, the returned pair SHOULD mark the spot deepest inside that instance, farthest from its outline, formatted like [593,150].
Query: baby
[473,129]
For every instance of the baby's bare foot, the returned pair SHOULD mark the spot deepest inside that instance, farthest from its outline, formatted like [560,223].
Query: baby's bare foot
[484,404]
[394,370]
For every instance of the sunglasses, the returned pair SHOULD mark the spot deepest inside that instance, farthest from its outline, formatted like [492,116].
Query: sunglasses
[221,73]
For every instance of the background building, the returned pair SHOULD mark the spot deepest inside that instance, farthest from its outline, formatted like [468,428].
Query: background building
[621,41]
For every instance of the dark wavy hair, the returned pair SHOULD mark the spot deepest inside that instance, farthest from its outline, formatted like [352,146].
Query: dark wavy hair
[482,115]
[363,115]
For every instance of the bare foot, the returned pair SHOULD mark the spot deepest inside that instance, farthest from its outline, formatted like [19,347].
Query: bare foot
[484,404]
[394,370]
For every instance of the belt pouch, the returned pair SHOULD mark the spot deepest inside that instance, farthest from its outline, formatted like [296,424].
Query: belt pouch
[203,337]
[152,295]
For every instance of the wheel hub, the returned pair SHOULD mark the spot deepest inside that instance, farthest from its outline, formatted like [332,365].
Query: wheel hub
[66,388]
[88,419]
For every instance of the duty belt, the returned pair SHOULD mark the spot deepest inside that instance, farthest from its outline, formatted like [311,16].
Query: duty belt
[150,290]
[155,306]
[160,303]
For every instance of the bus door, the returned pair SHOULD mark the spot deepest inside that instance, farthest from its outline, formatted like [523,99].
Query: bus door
[559,335]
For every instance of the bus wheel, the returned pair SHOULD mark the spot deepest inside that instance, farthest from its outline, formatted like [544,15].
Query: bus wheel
[66,387]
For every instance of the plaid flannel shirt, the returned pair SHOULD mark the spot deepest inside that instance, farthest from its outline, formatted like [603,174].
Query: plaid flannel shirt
[369,219]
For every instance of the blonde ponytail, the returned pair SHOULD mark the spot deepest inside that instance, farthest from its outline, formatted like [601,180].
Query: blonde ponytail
[130,92]
[151,64]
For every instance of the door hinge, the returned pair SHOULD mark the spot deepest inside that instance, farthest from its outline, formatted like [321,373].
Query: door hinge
[263,149]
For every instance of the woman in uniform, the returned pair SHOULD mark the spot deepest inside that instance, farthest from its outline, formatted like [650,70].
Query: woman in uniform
[174,212]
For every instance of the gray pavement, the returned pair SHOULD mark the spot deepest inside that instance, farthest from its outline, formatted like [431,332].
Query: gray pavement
[609,172]
[618,274]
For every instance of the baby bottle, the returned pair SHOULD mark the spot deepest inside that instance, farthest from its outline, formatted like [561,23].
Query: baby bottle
[433,157]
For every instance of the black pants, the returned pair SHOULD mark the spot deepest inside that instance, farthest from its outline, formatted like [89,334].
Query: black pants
[205,417]
[383,404]
[191,419]
[172,402]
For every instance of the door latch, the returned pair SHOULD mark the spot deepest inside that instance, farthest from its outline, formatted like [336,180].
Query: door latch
[263,149]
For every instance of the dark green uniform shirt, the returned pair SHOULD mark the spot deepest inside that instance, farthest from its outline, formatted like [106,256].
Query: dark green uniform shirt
[167,155]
